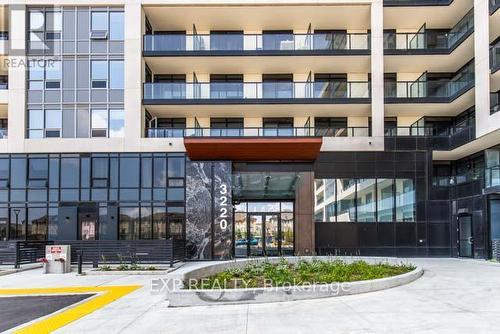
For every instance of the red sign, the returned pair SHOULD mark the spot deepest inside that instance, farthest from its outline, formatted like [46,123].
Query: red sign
[55,249]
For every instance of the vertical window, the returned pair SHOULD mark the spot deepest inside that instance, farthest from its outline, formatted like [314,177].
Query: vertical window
[160,172]
[129,172]
[4,173]
[146,223]
[159,223]
[38,172]
[37,228]
[176,167]
[116,123]
[99,172]
[70,172]
[346,194]
[35,123]
[385,198]
[99,122]
[99,75]
[116,74]
[53,123]
[116,26]
[365,200]
[99,25]
[53,74]
[129,223]
[405,200]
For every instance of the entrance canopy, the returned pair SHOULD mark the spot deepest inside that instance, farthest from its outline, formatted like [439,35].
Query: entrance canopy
[264,185]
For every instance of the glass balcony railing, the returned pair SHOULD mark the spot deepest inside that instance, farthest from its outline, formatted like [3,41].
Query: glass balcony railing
[258,132]
[257,90]
[495,57]
[3,133]
[4,35]
[257,42]
[494,5]
[429,89]
[492,176]
[418,40]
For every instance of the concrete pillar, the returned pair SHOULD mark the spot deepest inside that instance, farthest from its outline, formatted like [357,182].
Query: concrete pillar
[482,66]
[134,119]
[17,67]
[377,67]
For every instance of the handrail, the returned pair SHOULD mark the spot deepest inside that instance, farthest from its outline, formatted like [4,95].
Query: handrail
[257,42]
[258,132]
[424,131]
[258,90]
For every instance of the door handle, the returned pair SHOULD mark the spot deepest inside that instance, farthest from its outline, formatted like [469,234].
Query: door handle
[470,240]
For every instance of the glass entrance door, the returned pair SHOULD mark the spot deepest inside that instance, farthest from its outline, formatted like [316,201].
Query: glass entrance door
[255,234]
[271,235]
[465,239]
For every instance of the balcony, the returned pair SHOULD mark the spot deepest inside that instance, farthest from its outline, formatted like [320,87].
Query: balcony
[492,176]
[439,91]
[258,132]
[418,43]
[247,144]
[256,44]
[257,93]
[421,137]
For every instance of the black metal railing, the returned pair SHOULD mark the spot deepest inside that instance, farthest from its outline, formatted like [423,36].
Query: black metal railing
[22,252]
[126,251]
[97,251]
[417,2]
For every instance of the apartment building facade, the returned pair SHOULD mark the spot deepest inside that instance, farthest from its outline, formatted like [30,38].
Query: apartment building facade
[261,128]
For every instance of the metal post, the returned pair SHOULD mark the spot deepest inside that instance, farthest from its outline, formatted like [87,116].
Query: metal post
[171,252]
[79,261]
[17,263]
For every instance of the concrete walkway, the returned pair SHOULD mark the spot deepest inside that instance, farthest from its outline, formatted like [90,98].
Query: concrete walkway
[453,296]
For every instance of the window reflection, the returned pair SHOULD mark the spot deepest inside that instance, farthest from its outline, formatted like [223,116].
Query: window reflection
[364,200]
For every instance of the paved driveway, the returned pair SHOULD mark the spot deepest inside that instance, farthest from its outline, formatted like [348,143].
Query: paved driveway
[453,296]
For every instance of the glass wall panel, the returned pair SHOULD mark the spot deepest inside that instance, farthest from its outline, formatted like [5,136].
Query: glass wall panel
[405,200]
[37,227]
[129,223]
[365,200]
[70,170]
[146,223]
[129,172]
[385,198]
[159,223]
[4,224]
[346,195]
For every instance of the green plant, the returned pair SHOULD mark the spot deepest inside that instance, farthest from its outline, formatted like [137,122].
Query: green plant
[122,267]
[284,273]
[105,268]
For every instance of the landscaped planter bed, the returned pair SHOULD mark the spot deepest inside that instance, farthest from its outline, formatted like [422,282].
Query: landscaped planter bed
[274,280]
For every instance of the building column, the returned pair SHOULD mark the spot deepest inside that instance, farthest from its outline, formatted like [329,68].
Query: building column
[17,66]
[377,68]
[482,67]
[133,75]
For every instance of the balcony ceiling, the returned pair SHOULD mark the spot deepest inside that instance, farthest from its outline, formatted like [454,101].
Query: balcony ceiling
[435,17]
[260,110]
[454,108]
[431,63]
[253,149]
[258,17]
[260,64]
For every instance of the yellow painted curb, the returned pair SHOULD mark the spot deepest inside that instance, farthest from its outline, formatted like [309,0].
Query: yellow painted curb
[106,295]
